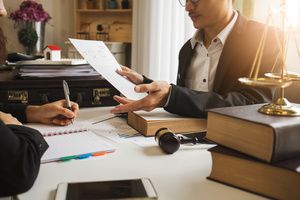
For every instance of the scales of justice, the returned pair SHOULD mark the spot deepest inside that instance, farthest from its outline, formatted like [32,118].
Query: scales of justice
[283,79]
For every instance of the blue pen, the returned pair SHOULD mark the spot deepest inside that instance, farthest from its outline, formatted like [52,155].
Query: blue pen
[84,156]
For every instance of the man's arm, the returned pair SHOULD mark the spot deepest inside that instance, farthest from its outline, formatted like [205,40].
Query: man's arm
[186,102]
[192,103]
[21,149]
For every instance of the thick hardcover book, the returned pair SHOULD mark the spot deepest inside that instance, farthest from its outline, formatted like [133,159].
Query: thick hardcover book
[266,137]
[147,123]
[280,180]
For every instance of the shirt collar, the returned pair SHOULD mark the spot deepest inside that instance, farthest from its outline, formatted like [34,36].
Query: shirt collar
[222,36]
[197,38]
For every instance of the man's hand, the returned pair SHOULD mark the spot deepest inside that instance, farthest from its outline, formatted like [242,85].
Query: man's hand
[52,113]
[9,119]
[131,75]
[158,92]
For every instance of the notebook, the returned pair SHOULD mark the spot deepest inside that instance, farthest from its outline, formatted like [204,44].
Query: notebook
[71,142]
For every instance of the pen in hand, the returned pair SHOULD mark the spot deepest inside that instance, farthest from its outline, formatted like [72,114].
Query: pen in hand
[67,97]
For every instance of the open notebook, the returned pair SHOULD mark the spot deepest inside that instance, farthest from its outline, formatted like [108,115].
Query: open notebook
[73,141]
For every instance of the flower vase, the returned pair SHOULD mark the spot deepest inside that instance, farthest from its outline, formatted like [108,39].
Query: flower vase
[32,36]
[40,28]
[28,37]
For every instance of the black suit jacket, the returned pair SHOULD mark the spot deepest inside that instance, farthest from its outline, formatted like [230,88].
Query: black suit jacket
[235,61]
[21,149]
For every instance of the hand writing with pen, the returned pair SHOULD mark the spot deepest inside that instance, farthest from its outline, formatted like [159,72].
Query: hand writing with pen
[53,113]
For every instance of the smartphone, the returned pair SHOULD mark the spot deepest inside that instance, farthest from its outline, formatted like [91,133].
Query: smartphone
[118,189]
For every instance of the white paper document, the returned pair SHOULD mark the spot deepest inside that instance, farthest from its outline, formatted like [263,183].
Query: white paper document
[101,59]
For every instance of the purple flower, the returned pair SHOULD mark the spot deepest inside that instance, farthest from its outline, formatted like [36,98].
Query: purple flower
[30,11]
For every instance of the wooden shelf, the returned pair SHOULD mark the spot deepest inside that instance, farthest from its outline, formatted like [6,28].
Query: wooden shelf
[119,10]
[96,22]
[118,22]
[104,11]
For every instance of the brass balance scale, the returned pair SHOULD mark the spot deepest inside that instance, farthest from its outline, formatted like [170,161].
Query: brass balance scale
[282,80]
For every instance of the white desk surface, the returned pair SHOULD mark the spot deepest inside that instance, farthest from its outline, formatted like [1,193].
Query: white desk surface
[179,176]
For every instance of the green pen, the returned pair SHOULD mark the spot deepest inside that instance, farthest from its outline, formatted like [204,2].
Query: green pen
[67,158]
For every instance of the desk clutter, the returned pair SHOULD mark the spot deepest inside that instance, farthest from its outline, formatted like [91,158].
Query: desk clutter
[278,179]
[257,153]
[38,81]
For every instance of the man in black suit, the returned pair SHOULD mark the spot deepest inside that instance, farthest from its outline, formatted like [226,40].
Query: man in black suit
[21,148]
[222,50]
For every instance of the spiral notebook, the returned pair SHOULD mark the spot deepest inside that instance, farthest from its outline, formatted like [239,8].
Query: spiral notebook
[71,142]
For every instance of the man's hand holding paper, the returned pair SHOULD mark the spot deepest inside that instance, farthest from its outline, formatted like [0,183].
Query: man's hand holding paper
[158,92]
[100,58]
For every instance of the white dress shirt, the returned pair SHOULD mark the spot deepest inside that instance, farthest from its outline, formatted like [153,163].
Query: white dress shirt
[204,63]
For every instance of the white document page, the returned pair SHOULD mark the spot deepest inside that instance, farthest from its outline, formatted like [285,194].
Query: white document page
[117,130]
[74,144]
[159,114]
[101,59]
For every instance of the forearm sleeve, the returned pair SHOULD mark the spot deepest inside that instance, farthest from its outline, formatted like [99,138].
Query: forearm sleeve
[21,149]
[16,110]
[192,103]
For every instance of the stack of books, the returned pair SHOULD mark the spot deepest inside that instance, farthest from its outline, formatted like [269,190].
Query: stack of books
[256,152]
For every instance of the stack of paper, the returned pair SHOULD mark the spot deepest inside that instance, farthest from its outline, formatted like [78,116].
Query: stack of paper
[49,71]
[65,61]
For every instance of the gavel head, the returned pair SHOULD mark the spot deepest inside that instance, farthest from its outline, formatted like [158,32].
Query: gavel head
[167,140]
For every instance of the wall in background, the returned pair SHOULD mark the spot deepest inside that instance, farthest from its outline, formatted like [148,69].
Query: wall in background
[245,6]
[58,30]
[62,24]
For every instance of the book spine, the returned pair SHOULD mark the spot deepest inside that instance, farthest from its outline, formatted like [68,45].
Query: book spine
[238,187]
[287,142]
[137,123]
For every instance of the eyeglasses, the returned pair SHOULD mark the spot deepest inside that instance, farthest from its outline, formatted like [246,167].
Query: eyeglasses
[184,2]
